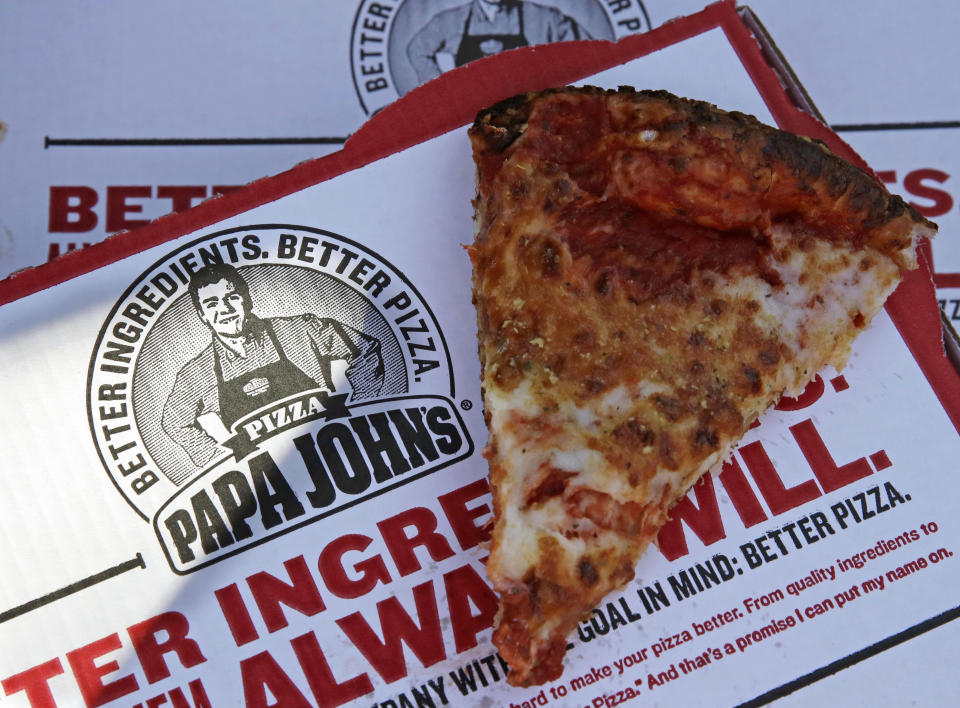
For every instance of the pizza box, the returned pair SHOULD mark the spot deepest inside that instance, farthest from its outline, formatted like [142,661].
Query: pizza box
[327,549]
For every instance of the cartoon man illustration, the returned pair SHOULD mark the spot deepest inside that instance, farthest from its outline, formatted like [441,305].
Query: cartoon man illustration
[253,361]
[480,28]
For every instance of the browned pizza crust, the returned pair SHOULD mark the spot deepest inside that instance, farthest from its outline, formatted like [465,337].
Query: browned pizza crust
[650,274]
[762,174]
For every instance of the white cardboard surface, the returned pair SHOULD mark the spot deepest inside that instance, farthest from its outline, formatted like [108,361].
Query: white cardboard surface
[65,520]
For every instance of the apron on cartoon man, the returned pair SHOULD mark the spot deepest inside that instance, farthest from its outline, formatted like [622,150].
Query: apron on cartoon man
[477,42]
[286,356]
[481,28]
[251,362]
[264,384]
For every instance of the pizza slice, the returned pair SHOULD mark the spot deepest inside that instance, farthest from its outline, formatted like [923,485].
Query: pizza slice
[650,275]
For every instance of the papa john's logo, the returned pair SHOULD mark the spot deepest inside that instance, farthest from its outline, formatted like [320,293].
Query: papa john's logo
[396,45]
[263,378]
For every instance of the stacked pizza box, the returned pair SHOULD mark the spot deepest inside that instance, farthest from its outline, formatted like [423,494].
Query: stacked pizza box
[168,542]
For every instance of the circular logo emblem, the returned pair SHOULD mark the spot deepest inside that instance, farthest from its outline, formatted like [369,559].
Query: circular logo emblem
[260,378]
[400,44]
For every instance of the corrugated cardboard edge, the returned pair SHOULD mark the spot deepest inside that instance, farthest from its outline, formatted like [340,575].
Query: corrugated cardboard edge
[951,340]
[776,59]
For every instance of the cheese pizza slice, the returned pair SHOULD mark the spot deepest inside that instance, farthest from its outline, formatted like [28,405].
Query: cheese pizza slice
[650,275]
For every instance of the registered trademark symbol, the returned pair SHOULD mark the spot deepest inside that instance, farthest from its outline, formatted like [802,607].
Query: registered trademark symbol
[466,405]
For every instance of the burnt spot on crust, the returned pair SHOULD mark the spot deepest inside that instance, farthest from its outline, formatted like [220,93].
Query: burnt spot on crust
[593,386]
[634,433]
[808,160]
[836,184]
[678,163]
[895,208]
[587,572]
[672,408]
[769,357]
[519,189]
[696,339]
[751,378]
[503,122]
[718,306]
[869,197]
[602,283]
[705,437]
[584,338]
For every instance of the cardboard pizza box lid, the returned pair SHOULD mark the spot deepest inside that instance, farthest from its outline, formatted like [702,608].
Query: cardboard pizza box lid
[299,565]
